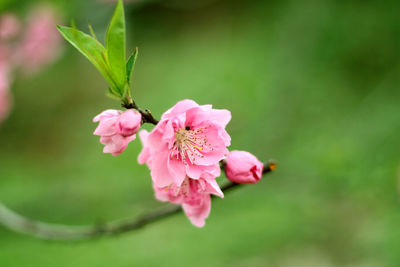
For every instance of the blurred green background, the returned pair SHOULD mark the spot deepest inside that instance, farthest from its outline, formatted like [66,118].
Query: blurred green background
[313,84]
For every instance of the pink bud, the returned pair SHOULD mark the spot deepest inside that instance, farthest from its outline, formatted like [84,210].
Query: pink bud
[243,167]
[117,129]
[129,122]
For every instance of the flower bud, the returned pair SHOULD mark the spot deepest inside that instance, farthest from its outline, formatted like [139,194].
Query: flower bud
[243,167]
[117,129]
[129,122]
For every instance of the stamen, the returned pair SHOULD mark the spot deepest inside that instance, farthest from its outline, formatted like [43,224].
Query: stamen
[189,144]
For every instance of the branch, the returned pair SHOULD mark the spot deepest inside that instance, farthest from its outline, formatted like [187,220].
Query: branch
[147,116]
[42,230]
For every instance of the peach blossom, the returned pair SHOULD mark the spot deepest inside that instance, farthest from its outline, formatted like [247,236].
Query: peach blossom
[189,141]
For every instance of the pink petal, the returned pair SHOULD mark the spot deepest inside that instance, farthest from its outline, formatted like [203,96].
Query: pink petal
[107,127]
[198,213]
[154,139]
[212,187]
[198,171]
[106,114]
[159,171]
[177,170]
[179,108]
[129,122]
[160,193]
[220,116]
[115,144]
[145,155]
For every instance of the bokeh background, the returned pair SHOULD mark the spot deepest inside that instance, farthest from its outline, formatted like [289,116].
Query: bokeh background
[313,84]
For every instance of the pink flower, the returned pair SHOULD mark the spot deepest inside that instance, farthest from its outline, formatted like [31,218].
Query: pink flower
[193,195]
[41,41]
[117,129]
[9,26]
[189,141]
[243,167]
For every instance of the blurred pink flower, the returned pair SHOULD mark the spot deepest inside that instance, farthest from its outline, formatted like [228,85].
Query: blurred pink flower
[9,26]
[189,141]
[193,195]
[117,129]
[30,49]
[243,167]
[41,41]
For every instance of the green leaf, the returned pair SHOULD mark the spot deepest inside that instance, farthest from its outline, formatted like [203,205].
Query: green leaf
[92,32]
[130,65]
[111,94]
[90,48]
[115,46]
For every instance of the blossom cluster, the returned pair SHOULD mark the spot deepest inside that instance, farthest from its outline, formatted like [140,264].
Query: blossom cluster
[184,152]
[28,46]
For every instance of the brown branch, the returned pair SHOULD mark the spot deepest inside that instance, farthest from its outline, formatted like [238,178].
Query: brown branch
[147,116]
[42,230]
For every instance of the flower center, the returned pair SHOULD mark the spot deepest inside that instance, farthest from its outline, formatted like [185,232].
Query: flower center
[189,144]
[184,188]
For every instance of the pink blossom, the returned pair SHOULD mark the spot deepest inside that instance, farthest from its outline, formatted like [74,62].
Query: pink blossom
[117,129]
[9,26]
[193,195]
[189,141]
[243,167]
[41,41]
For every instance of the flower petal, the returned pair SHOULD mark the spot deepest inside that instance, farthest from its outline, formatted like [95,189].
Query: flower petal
[198,213]
[159,170]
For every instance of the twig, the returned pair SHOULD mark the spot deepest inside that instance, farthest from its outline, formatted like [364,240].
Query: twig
[42,230]
[147,117]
